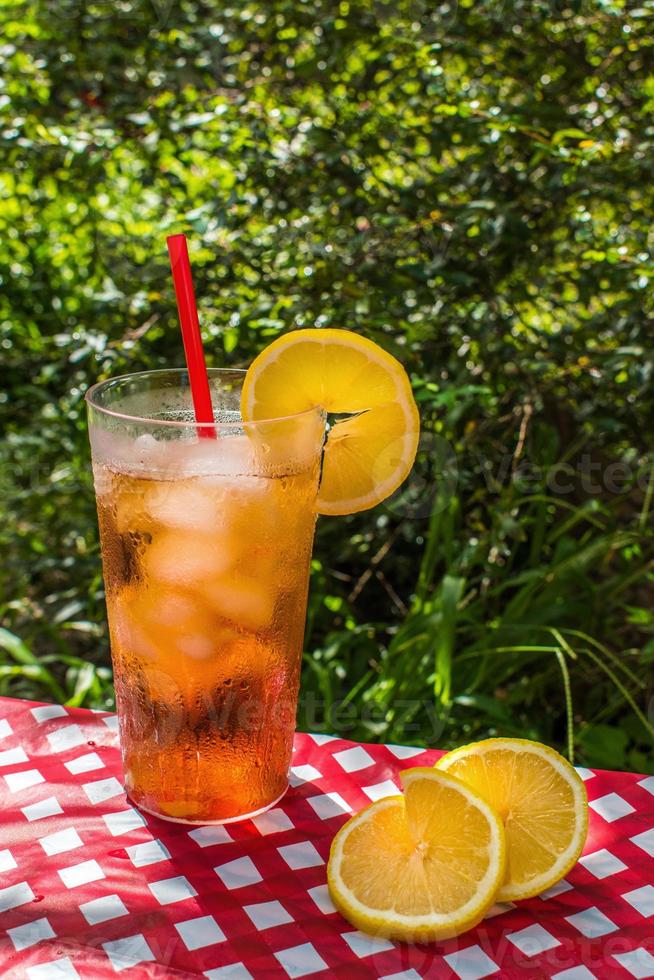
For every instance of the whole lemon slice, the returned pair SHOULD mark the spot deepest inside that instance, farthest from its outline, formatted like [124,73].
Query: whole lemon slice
[367,455]
[422,866]
[541,800]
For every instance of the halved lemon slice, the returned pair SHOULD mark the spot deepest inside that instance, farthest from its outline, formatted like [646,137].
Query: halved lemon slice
[541,800]
[422,866]
[368,455]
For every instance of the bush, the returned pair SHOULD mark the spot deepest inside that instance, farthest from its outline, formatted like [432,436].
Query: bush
[468,184]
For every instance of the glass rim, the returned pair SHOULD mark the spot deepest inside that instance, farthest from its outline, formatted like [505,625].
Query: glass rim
[92,392]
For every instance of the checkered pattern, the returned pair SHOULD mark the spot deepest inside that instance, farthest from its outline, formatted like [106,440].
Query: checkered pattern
[90,888]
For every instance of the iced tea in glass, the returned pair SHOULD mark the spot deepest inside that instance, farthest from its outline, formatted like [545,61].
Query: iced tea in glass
[206,541]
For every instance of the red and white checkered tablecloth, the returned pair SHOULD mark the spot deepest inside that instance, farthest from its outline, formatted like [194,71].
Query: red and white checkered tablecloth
[91,888]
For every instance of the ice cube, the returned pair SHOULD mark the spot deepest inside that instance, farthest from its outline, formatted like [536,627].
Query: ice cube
[142,456]
[144,446]
[184,504]
[187,558]
[109,448]
[129,631]
[236,456]
[248,506]
[164,626]
[241,599]
[228,455]
[197,647]
[173,610]
[131,516]
[103,480]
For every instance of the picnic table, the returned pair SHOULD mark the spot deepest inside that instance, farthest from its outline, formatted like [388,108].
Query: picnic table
[91,888]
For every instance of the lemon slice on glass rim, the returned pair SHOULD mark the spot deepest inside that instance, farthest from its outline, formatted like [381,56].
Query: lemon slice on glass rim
[367,455]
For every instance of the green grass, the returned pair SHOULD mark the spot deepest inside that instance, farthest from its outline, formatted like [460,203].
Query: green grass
[518,623]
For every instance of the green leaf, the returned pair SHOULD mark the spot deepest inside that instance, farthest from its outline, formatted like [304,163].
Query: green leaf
[450,595]
[16,649]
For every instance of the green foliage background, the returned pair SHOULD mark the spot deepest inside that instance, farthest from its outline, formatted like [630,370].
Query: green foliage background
[469,184]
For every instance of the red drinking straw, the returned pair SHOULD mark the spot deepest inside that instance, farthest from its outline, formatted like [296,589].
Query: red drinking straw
[188,318]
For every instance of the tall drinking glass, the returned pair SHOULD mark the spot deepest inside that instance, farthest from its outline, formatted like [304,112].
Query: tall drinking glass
[206,534]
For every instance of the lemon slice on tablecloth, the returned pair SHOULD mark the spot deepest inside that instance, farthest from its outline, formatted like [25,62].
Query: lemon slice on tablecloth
[369,454]
[422,866]
[541,800]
